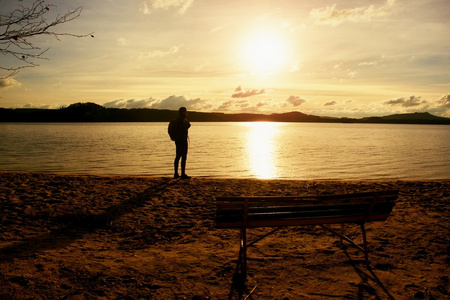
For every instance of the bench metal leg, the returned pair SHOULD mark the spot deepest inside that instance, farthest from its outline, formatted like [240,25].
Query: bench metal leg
[362,249]
[263,236]
[243,253]
[366,252]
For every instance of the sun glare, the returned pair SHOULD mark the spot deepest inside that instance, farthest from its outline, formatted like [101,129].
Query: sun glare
[261,148]
[264,51]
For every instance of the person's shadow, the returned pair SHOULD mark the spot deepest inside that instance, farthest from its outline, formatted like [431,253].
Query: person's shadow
[70,227]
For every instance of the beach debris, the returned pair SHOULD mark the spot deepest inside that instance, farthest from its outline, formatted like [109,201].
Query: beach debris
[251,292]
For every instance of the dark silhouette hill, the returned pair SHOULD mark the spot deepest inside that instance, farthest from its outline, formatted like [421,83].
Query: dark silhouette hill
[91,112]
[413,118]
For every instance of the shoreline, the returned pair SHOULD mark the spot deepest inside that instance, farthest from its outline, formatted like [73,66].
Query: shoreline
[117,236]
[203,177]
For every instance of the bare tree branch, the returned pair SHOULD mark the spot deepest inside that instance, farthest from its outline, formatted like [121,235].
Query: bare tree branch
[18,27]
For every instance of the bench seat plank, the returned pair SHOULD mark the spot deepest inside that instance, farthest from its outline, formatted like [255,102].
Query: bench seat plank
[303,221]
[255,209]
[294,214]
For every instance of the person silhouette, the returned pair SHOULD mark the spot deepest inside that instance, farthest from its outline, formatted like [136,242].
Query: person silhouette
[181,143]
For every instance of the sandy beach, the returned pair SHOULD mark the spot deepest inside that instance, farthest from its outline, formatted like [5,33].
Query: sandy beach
[119,237]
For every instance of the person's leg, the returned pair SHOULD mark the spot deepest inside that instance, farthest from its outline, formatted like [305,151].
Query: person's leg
[183,165]
[183,153]
[175,166]
[177,159]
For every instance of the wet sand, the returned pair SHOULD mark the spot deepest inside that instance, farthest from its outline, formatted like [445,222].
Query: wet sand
[119,237]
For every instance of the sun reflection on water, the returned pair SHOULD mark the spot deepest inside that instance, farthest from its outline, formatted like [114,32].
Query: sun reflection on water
[261,149]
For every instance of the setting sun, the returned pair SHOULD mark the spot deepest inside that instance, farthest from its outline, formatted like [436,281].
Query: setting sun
[265,51]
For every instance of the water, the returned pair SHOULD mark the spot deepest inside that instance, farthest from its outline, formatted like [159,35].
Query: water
[232,150]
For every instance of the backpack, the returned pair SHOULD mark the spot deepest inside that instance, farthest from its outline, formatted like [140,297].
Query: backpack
[174,130]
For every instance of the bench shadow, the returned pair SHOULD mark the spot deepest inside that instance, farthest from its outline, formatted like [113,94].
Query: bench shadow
[367,274]
[239,285]
[72,227]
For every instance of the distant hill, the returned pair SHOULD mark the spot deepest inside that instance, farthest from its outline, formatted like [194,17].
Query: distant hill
[91,112]
[412,118]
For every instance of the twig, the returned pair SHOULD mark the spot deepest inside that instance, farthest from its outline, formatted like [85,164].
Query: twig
[251,292]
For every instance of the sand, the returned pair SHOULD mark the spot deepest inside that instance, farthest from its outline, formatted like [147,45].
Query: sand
[118,237]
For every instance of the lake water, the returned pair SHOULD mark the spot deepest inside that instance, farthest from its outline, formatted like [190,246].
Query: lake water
[232,150]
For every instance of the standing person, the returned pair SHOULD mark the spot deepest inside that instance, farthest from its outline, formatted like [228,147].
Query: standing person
[181,143]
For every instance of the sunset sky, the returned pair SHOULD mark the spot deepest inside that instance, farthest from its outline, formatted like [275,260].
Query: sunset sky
[332,58]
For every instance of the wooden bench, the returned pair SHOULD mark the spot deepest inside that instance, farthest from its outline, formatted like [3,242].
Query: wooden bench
[268,211]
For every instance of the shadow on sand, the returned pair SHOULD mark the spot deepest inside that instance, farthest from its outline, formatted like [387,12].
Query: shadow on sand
[71,227]
[370,283]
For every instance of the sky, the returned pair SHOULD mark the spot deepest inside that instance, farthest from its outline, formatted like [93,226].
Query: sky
[348,58]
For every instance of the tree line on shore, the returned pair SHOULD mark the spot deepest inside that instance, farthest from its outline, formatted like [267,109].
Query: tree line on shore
[91,112]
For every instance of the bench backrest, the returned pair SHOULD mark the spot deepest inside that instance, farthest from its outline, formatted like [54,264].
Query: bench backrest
[268,211]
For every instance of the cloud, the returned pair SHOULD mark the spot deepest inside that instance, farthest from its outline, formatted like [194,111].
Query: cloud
[406,102]
[330,15]
[8,82]
[261,104]
[219,28]
[175,102]
[225,106]
[132,103]
[37,106]
[368,63]
[330,103]
[444,101]
[148,6]
[295,101]
[351,74]
[42,106]
[122,41]
[172,103]
[442,106]
[244,94]
[241,105]
[160,53]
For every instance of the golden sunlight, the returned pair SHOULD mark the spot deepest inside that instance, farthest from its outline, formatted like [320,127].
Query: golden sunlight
[261,148]
[265,51]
